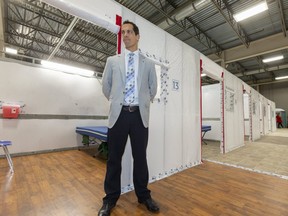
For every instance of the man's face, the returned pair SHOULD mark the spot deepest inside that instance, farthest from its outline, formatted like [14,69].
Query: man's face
[129,38]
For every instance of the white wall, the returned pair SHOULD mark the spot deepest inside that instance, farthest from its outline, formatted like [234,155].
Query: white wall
[49,96]
[191,119]
[211,110]
[246,101]
[265,120]
[210,68]
[233,112]
[272,115]
[174,129]
[256,119]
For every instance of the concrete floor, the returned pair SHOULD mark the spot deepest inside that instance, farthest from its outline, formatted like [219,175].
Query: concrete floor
[267,155]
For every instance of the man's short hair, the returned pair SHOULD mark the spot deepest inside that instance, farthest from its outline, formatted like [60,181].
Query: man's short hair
[135,27]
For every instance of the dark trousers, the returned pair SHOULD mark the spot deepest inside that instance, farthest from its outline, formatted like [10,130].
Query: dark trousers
[279,124]
[128,123]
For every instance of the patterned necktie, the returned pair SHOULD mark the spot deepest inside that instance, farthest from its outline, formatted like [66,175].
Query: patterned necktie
[130,80]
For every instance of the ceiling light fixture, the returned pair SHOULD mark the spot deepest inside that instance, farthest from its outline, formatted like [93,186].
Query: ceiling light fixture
[273,59]
[10,50]
[282,77]
[251,11]
[67,68]
[203,75]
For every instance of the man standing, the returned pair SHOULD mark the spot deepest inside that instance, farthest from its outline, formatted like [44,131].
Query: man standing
[129,83]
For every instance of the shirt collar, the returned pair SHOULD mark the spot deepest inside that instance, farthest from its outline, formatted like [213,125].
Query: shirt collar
[136,53]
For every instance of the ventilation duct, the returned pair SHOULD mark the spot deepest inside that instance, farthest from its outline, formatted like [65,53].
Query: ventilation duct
[184,11]
[72,7]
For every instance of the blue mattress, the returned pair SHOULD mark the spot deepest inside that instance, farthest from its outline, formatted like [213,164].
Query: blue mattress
[99,132]
[206,128]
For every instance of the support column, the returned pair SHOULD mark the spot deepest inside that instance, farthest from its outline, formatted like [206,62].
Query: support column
[2,29]
[223,64]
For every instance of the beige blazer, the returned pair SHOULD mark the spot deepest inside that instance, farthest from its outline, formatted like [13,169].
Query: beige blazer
[113,86]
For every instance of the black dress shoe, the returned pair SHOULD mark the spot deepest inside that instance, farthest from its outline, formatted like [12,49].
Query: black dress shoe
[106,209]
[151,205]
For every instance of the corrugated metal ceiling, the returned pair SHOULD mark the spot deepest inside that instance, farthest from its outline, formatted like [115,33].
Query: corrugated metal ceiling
[35,29]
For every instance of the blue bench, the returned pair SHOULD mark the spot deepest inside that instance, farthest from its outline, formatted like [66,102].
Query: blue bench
[99,133]
[4,144]
[205,129]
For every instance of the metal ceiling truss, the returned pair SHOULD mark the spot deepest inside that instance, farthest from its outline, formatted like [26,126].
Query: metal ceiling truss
[63,38]
[253,79]
[50,44]
[85,45]
[39,52]
[204,39]
[282,17]
[39,30]
[221,5]
[238,67]
[200,36]
[170,3]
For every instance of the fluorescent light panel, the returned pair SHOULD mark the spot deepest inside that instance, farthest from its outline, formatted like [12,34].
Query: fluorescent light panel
[67,68]
[275,58]
[251,11]
[283,77]
[10,50]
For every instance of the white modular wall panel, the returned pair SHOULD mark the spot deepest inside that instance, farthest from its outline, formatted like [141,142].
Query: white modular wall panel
[246,88]
[152,39]
[269,118]
[262,114]
[191,152]
[210,68]
[247,110]
[273,116]
[274,127]
[233,112]
[246,99]
[155,151]
[173,110]
[153,44]
[265,115]
[153,49]
[168,139]
[256,123]
[261,122]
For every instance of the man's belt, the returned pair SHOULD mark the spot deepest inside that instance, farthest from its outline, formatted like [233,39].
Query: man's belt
[130,108]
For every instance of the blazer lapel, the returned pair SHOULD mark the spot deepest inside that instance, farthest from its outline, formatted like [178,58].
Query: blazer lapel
[140,70]
[122,67]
